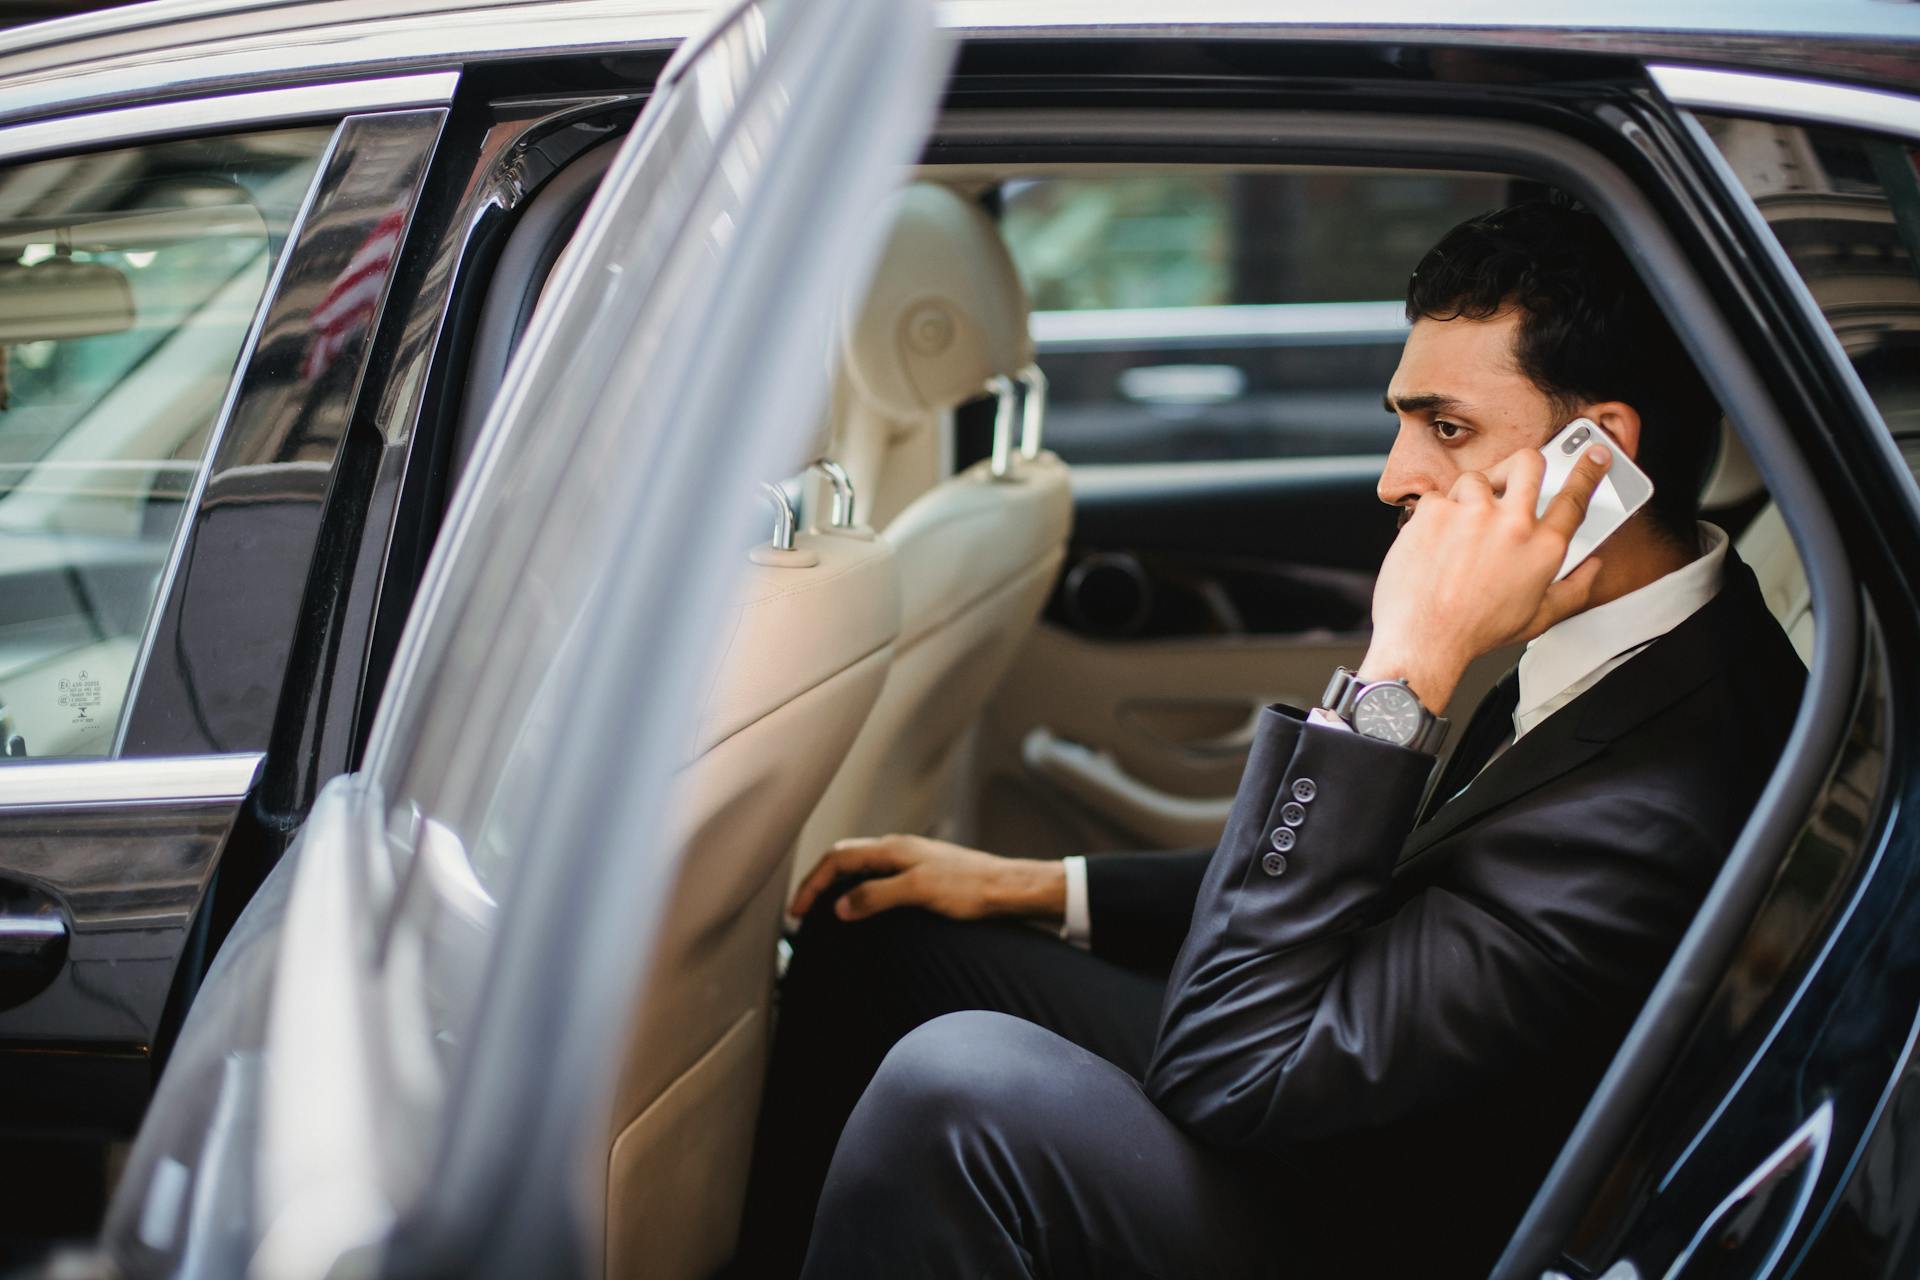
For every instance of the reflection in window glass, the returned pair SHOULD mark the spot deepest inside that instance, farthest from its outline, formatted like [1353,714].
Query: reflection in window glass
[1846,208]
[128,282]
[1199,314]
[1148,241]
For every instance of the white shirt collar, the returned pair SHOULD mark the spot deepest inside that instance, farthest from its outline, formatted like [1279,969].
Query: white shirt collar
[1571,657]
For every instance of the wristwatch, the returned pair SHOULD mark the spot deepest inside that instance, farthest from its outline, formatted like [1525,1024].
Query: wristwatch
[1384,709]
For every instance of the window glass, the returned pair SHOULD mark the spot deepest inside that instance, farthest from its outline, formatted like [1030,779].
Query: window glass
[495,687]
[1211,315]
[128,282]
[1846,208]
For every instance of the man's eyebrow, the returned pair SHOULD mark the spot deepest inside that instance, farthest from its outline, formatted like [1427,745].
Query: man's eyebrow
[1425,402]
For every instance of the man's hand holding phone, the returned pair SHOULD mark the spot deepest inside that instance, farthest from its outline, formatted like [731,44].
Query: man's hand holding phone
[1473,569]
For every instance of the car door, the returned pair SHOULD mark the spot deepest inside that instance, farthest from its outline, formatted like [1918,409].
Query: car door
[403,1051]
[1776,1141]
[187,297]
[1217,344]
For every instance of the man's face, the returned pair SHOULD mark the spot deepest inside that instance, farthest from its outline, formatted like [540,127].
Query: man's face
[1462,405]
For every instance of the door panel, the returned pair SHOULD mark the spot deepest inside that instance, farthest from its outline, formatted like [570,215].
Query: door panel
[1266,548]
[1216,346]
[122,880]
[171,473]
[1169,716]
[1194,594]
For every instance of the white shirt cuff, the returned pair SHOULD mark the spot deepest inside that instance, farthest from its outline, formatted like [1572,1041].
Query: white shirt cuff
[1077,928]
[1320,715]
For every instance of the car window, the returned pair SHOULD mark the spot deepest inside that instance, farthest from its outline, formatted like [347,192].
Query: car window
[1846,208]
[1218,315]
[129,280]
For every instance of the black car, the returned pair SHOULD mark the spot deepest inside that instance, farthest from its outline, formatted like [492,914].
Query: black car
[387,391]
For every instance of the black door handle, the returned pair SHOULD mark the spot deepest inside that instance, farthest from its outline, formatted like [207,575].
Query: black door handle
[33,947]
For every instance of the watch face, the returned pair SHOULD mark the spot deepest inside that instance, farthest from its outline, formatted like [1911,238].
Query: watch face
[1389,712]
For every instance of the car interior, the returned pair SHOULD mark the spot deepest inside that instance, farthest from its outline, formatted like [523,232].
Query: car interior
[1096,483]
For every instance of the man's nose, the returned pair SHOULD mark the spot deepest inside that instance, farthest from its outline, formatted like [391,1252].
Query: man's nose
[1400,481]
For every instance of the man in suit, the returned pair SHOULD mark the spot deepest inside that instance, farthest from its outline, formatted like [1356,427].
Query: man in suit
[1350,1039]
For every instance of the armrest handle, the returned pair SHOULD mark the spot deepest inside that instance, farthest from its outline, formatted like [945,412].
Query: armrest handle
[1095,779]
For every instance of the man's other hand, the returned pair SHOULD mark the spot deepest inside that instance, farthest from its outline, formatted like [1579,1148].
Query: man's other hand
[948,879]
[1472,570]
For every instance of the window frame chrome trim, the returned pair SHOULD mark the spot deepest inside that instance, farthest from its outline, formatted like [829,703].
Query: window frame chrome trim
[124,126]
[45,784]
[365,51]
[1095,329]
[204,471]
[1787,98]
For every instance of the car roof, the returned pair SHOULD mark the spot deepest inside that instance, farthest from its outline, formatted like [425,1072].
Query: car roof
[170,48]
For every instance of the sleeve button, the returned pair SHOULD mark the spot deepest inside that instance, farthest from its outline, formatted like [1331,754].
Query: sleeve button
[1283,838]
[1273,864]
[1304,790]
[1293,813]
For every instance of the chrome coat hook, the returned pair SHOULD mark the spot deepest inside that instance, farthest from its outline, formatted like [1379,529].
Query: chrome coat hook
[782,515]
[1033,412]
[842,491]
[1001,388]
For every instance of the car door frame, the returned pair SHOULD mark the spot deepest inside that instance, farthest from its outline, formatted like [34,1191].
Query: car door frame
[1650,209]
[1729,1161]
[126,847]
[502,1197]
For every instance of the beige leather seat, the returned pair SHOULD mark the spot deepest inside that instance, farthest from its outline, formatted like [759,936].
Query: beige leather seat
[805,654]
[978,552]
[1765,543]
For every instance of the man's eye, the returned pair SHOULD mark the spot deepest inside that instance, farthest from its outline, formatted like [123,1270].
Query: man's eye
[1447,430]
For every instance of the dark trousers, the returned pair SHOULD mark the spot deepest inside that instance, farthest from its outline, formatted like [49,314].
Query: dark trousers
[982,1144]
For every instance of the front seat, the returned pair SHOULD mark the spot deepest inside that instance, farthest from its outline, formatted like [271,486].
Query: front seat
[803,656]
[977,552]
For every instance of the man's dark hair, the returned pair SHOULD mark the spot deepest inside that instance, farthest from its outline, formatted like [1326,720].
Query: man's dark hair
[1588,331]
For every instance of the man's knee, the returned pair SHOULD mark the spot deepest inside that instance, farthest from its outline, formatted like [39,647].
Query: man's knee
[959,1075]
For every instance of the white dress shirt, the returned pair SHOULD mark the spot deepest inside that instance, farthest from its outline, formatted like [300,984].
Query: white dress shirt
[1559,665]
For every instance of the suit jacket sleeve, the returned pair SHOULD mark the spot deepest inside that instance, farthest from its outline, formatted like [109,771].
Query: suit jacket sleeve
[1139,904]
[1301,1007]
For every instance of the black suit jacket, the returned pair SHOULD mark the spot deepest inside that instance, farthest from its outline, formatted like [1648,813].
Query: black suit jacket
[1408,1019]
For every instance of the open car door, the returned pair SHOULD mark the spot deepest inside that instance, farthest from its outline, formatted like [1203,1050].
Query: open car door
[401,1059]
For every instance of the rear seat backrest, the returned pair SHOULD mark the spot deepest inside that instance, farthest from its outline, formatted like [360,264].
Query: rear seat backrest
[805,654]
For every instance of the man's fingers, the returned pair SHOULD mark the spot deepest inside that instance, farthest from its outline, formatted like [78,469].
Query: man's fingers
[1566,597]
[1516,478]
[1569,506]
[847,857]
[871,897]
[1471,487]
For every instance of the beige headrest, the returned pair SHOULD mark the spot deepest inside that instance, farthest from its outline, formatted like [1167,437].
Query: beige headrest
[945,313]
[1733,479]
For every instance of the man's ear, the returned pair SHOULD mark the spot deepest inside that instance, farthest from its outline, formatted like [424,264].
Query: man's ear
[1621,420]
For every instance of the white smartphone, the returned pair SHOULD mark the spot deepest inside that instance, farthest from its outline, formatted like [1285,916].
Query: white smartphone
[1623,490]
